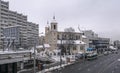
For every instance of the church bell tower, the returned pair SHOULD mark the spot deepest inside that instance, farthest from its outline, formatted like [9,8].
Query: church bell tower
[54,26]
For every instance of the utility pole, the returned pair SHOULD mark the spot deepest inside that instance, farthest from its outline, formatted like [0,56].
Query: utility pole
[60,55]
[84,53]
[34,56]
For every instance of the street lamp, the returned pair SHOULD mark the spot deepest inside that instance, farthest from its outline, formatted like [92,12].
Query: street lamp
[35,41]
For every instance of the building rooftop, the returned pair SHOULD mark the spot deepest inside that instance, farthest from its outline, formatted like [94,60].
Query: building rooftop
[12,52]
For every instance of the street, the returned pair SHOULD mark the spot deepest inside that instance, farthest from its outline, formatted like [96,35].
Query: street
[104,64]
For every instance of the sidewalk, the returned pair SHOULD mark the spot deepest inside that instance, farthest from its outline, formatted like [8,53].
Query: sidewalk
[54,68]
[24,70]
[45,70]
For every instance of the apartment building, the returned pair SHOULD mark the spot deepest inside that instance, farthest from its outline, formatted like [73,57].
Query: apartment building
[4,8]
[32,34]
[11,18]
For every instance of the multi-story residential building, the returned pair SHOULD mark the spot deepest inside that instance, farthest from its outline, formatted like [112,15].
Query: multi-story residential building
[10,18]
[4,8]
[16,19]
[67,41]
[32,34]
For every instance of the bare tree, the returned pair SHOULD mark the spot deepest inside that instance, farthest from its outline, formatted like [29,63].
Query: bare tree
[70,29]
[69,39]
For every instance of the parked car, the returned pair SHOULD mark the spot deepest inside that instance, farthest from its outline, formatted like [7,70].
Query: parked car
[106,53]
[115,52]
[109,52]
[78,56]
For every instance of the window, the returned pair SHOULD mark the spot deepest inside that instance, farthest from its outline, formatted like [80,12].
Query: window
[76,37]
[58,36]
[83,34]
[74,48]
[54,26]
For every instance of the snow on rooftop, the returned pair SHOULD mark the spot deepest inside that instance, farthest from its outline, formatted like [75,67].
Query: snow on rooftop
[56,50]
[10,52]
[83,36]
[79,42]
[80,52]
[75,42]
[45,45]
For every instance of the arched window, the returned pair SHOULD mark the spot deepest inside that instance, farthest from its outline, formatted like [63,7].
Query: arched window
[54,26]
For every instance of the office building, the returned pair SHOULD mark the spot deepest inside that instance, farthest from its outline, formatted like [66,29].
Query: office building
[117,44]
[98,43]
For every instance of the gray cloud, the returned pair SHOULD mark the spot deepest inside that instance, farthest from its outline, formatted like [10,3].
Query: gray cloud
[102,16]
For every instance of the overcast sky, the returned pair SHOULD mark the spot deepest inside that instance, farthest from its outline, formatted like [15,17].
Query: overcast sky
[101,16]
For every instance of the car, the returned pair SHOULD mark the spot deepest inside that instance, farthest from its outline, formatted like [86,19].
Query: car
[106,53]
[110,52]
[115,52]
[79,56]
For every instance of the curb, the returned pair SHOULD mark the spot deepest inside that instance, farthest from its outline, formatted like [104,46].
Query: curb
[54,68]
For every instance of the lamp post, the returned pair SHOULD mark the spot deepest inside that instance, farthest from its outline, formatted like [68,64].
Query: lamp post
[34,55]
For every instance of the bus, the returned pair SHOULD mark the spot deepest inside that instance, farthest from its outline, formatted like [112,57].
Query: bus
[91,56]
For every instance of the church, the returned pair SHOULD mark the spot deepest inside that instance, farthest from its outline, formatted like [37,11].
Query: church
[69,42]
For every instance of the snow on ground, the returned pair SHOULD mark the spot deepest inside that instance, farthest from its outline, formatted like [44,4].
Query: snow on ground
[63,58]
